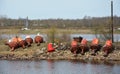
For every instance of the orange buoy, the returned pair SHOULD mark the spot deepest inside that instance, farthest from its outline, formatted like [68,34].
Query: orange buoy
[19,39]
[50,47]
[95,41]
[108,43]
[74,43]
[84,42]
[16,39]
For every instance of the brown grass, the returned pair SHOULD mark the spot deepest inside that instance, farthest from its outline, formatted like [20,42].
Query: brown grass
[34,31]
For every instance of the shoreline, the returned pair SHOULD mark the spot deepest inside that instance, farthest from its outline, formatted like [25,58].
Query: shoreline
[59,55]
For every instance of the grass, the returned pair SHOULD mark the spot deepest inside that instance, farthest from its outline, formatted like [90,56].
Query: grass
[4,49]
[34,31]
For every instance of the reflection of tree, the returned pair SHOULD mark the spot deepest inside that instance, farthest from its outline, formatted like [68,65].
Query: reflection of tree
[75,61]
[50,64]
[36,64]
[51,67]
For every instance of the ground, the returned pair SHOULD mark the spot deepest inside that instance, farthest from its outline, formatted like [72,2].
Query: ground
[40,52]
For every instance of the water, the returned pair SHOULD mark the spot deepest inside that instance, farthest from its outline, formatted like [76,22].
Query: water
[89,37]
[56,67]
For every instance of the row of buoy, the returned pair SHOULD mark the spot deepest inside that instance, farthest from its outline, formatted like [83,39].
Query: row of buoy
[95,41]
[79,44]
[17,42]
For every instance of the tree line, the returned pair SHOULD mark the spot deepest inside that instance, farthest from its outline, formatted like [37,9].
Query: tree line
[86,22]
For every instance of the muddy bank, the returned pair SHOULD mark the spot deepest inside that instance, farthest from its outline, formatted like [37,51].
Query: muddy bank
[40,54]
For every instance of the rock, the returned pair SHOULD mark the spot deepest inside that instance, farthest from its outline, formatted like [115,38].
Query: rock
[44,48]
[25,49]
[41,52]
[1,56]
[38,51]
[67,52]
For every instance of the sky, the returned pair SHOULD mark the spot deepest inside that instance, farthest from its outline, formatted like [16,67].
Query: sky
[54,9]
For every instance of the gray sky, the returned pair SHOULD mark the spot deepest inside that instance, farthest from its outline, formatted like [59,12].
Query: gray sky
[66,9]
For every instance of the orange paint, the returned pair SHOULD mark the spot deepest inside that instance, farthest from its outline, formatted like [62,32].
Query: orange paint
[16,39]
[50,47]
[74,43]
[95,41]
[84,42]
[108,43]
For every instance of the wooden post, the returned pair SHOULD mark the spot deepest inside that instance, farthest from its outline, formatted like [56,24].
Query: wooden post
[112,22]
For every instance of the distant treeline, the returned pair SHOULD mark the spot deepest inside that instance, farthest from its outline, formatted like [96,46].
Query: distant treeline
[86,22]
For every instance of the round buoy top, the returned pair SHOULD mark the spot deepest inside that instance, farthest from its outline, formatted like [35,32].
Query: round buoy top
[27,36]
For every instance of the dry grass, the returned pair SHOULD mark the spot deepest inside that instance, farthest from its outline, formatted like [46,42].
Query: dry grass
[46,30]
[34,31]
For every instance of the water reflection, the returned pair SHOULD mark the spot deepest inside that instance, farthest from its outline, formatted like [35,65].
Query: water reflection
[57,67]
[50,64]
[76,61]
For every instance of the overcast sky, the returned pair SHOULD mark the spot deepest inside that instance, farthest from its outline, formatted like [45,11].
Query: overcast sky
[65,9]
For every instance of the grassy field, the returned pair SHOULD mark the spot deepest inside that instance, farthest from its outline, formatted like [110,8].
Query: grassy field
[46,30]
[34,31]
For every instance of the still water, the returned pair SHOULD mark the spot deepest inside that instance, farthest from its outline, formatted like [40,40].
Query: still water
[56,67]
[89,37]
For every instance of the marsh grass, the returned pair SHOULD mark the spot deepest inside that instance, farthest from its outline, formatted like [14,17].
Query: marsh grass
[104,34]
[51,34]
[28,51]
[45,31]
